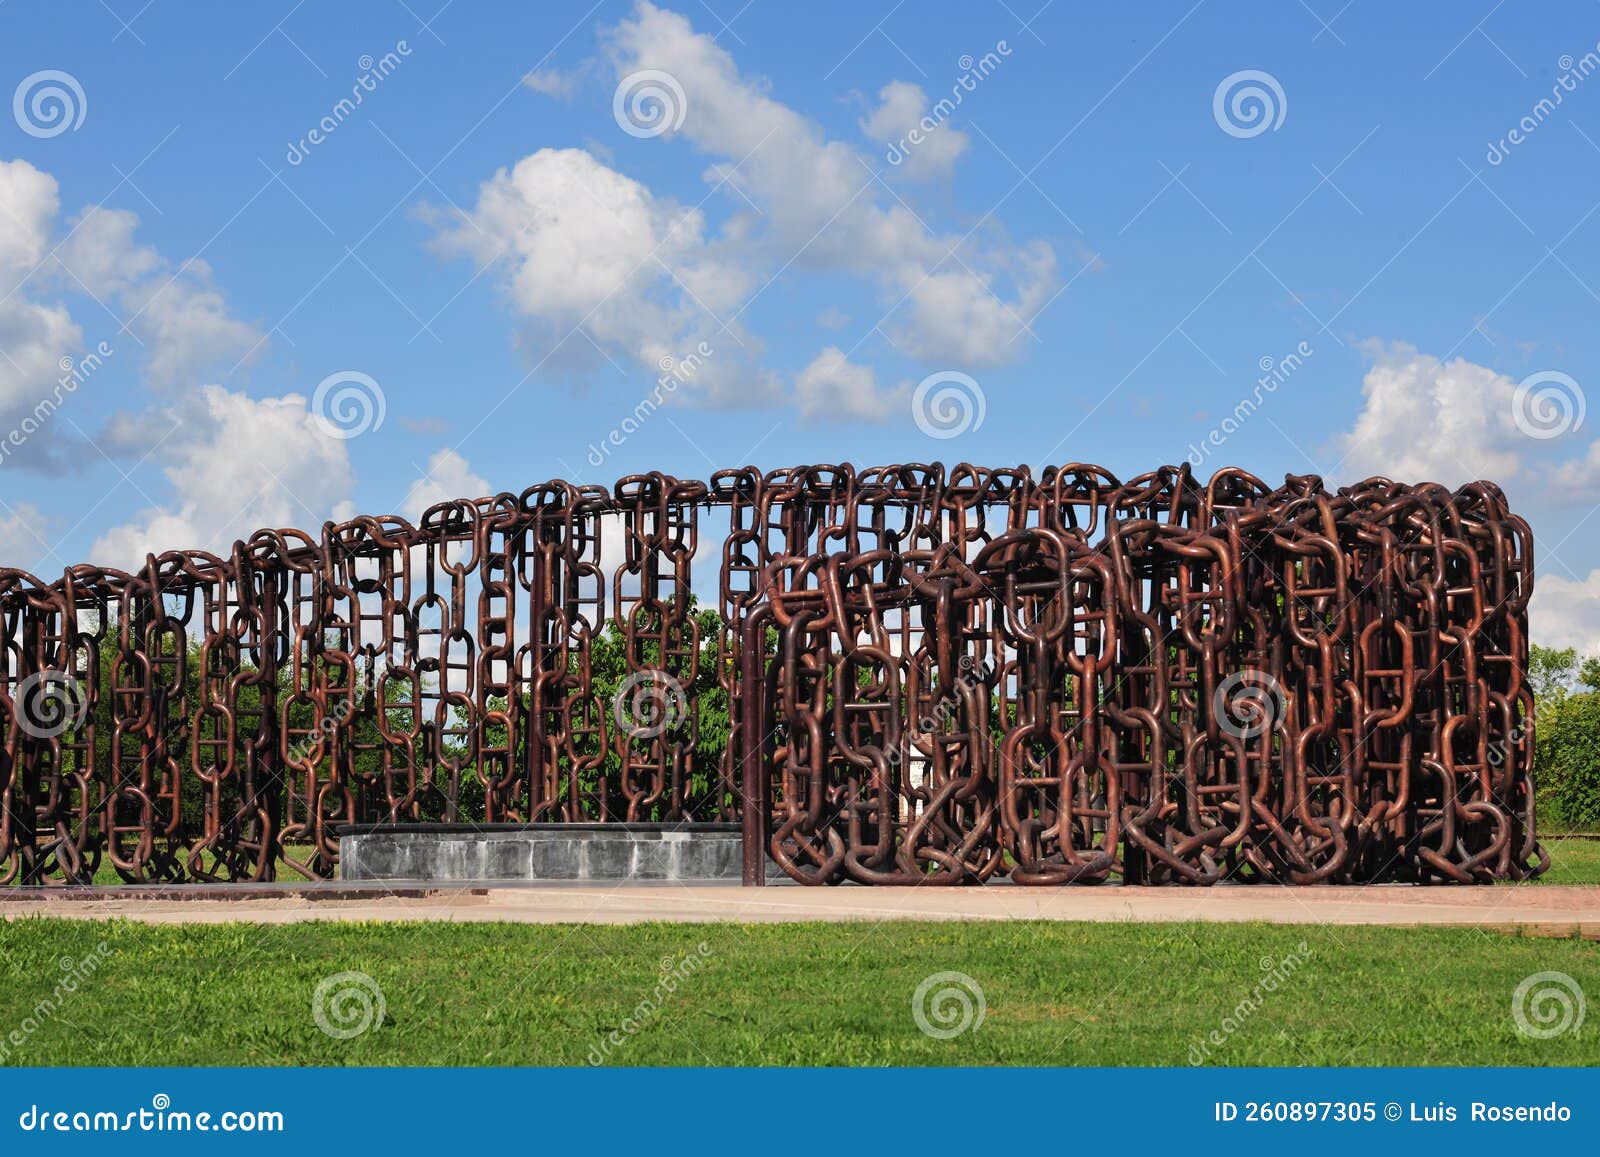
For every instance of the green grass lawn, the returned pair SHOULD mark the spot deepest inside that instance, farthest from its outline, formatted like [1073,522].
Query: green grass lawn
[1572,861]
[798,994]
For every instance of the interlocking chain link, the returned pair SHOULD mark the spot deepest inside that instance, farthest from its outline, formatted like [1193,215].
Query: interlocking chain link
[954,675]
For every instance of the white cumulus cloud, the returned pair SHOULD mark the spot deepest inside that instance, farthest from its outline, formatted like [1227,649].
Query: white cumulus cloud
[823,209]
[181,319]
[24,536]
[448,476]
[35,334]
[236,465]
[597,265]
[902,111]
[834,388]
[1423,420]
[1566,612]
[1427,420]
[178,325]
[554,82]
[585,250]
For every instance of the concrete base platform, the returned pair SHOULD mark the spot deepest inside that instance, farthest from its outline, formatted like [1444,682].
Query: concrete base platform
[457,853]
[1532,909]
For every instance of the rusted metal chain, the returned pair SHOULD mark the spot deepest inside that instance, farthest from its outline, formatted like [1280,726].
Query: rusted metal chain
[924,675]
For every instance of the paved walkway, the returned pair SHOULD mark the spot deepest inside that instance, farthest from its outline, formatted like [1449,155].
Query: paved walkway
[1545,910]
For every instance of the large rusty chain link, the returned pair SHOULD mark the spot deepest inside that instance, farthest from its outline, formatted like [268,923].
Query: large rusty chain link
[931,674]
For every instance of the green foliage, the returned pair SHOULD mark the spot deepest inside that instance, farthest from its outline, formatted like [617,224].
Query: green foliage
[702,697]
[1550,672]
[1566,762]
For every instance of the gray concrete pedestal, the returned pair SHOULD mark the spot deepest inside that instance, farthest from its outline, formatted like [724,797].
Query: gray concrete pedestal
[467,852]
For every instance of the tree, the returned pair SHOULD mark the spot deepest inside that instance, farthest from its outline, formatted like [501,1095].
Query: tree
[701,699]
[1551,672]
[1566,759]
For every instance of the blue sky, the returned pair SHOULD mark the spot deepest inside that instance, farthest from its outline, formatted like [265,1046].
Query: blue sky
[1088,243]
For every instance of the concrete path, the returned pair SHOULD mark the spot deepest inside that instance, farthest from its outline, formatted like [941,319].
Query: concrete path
[1544,910]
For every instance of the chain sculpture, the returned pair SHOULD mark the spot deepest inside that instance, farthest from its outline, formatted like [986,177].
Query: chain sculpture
[917,674]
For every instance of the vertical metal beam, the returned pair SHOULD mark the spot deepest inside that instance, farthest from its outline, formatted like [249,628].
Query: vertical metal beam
[753,742]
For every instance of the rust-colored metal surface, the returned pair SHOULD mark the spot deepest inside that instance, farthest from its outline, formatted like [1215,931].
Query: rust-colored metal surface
[918,674]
